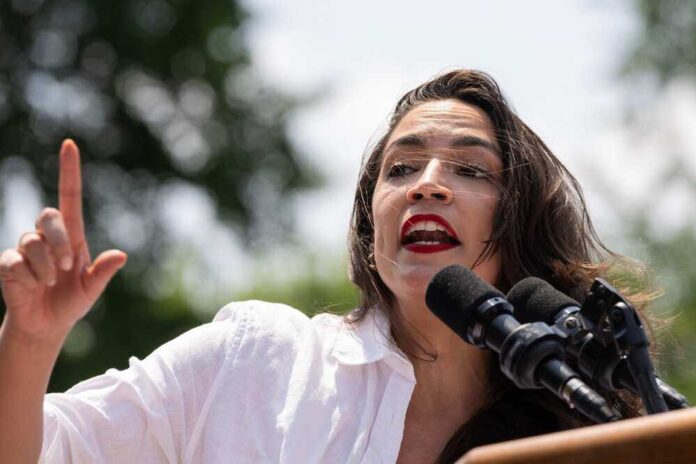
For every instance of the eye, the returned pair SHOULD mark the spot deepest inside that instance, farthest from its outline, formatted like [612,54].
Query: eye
[400,170]
[473,170]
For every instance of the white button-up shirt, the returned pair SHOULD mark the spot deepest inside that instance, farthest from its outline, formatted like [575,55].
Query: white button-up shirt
[262,383]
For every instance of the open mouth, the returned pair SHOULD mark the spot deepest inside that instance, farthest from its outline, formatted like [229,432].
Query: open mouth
[423,232]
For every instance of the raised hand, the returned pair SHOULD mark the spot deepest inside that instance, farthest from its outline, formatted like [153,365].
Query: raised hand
[49,281]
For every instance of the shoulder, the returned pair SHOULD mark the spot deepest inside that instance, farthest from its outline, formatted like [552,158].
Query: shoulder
[265,326]
[261,313]
[264,314]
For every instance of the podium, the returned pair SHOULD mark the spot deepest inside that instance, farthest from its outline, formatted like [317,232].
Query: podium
[667,438]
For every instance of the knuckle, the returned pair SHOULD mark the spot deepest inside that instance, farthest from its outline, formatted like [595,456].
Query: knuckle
[5,260]
[30,240]
[15,265]
[49,213]
[10,261]
[47,216]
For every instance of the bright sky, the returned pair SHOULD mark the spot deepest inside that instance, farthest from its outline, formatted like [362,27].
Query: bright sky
[556,61]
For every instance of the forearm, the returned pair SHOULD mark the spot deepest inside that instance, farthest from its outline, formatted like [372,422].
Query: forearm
[25,369]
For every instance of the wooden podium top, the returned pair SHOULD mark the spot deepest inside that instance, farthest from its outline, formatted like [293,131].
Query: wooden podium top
[665,438]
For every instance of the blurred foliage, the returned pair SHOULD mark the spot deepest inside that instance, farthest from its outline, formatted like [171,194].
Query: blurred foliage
[665,52]
[666,45]
[313,292]
[157,93]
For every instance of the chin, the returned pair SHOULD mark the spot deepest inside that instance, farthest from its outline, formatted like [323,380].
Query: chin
[413,281]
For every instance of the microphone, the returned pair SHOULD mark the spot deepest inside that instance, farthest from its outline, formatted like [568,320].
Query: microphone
[536,300]
[530,354]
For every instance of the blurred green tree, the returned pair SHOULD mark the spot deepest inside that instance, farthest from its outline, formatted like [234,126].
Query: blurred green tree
[322,287]
[664,54]
[666,45]
[158,94]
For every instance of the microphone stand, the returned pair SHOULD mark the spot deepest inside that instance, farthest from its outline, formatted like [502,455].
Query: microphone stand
[617,325]
[594,349]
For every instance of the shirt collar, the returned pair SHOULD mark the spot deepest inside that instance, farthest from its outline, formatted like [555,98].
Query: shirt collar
[370,341]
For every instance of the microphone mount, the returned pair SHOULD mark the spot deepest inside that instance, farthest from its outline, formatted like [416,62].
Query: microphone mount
[594,337]
[618,328]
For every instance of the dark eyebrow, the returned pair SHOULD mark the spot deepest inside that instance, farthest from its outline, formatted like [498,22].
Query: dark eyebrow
[410,140]
[415,140]
[473,141]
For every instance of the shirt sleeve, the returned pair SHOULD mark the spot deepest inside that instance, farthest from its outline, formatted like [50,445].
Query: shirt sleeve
[146,412]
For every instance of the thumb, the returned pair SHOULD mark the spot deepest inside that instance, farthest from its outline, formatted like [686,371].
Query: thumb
[100,272]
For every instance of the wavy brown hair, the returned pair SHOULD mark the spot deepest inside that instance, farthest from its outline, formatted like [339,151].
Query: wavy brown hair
[541,228]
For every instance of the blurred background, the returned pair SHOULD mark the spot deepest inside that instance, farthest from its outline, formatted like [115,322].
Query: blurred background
[221,140]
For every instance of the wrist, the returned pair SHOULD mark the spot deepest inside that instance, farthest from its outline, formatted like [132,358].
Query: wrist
[50,340]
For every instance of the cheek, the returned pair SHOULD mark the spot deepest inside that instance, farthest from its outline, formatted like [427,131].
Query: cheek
[480,191]
[387,211]
[489,214]
[386,217]
[478,209]
[490,269]
[385,243]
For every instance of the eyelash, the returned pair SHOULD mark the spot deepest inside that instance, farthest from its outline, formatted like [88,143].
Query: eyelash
[473,171]
[397,170]
[467,170]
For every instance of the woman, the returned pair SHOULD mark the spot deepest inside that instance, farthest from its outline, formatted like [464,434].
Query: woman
[457,178]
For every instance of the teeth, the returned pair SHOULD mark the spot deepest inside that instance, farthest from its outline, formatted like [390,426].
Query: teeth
[425,225]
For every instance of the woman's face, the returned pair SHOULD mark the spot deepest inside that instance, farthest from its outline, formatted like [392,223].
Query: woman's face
[436,196]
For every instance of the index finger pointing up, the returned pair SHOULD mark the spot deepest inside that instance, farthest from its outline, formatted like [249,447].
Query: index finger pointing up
[70,193]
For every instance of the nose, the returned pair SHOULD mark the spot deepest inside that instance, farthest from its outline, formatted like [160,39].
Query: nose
[430,184]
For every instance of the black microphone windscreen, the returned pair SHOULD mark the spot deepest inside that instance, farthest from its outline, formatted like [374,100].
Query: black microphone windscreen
[536,300]
[454,294]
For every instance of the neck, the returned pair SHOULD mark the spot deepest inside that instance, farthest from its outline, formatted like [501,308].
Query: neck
[456,382]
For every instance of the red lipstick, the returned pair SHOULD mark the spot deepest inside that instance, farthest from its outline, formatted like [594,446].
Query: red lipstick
[428,248]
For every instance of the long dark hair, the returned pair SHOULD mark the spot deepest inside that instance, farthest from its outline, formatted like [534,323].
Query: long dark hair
[541,228]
